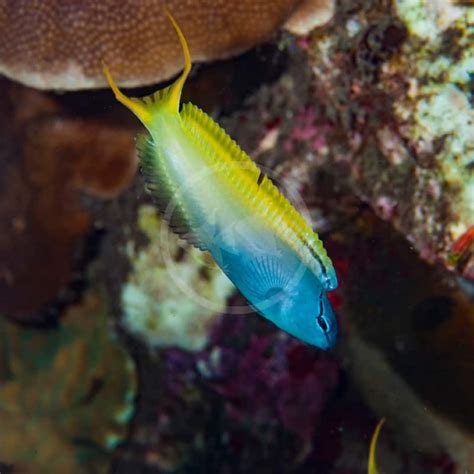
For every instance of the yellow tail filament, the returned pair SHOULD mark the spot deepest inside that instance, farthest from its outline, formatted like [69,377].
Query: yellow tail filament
[136,106]
[140,108]
[177,87]
[372,467]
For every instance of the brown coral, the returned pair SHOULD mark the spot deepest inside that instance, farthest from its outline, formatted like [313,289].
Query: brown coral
[60,46]
[48,158]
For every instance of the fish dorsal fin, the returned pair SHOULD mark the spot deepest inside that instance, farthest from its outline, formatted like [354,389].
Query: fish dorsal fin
[167,99]
[167,195]
[217,140]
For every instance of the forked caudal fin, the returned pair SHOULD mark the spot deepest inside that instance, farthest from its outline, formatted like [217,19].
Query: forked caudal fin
[169,97]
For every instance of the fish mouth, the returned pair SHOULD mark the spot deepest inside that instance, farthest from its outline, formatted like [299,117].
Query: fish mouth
[327,324]
[330,338]
[330,342]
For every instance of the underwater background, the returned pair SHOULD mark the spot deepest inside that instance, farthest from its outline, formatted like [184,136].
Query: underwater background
[121,350]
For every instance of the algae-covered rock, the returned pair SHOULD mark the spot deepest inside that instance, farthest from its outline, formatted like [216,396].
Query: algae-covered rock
[174,292]
[396,82]
[66,394]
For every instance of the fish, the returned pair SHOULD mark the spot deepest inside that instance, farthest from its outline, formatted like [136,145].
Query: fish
[372,465]
[214,196]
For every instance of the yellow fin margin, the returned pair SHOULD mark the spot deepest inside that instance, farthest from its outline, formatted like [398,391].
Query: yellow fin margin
[143,108]
[372,466]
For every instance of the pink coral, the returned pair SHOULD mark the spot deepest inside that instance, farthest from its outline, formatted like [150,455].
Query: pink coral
[308,127]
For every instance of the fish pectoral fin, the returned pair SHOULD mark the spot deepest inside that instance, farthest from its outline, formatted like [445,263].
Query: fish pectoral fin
[263,277]
[168,197]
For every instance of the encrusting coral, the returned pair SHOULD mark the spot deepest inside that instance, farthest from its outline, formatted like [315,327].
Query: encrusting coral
[388,117]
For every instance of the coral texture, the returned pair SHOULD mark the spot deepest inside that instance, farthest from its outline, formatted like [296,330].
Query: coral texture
[58,46]
[396,81]
[49,159]
[66,395]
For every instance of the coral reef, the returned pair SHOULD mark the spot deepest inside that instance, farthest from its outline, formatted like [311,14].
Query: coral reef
[234,406]
[396,83]
[386,116]
[66,394]
[330,136]
[49,159]
[374,108]
[54,46]
[174,292]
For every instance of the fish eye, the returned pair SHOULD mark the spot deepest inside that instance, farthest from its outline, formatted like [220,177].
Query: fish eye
[320,319]
[322,323]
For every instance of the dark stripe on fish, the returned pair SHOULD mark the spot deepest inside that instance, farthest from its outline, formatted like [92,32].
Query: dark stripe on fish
[318,259]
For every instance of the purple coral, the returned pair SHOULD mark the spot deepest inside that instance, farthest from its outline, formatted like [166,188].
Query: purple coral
[273,377]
